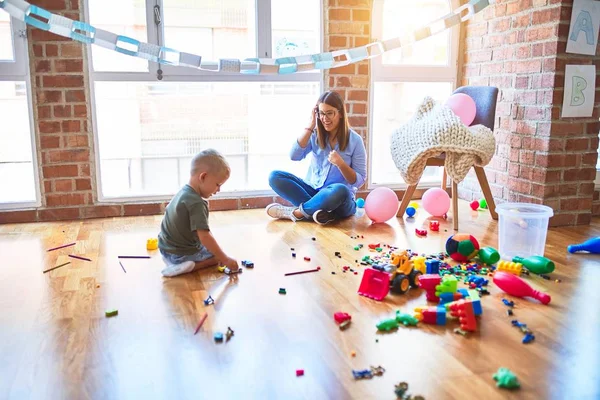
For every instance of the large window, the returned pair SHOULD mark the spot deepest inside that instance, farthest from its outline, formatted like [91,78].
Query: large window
[150,119]
[18,170]
[401,78]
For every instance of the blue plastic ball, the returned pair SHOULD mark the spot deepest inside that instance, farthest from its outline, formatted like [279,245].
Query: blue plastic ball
[410,211]
[360,203]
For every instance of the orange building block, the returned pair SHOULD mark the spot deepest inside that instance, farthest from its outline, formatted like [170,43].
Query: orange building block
[463,309]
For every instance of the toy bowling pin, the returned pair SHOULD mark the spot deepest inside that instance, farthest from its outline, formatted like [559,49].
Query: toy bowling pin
[591,245]
[516,286]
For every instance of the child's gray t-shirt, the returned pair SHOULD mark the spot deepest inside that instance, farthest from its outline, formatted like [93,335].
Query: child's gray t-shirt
[186,213]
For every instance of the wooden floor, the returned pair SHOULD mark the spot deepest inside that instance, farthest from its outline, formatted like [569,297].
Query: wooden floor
[55,342]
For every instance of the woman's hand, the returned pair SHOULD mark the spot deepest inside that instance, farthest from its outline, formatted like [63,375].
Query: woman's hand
[313,119]
[335,158]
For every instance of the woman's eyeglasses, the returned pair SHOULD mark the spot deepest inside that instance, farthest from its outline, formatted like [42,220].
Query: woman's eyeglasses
[329,114]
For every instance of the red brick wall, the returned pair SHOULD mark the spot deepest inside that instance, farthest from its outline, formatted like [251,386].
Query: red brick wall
[519,46]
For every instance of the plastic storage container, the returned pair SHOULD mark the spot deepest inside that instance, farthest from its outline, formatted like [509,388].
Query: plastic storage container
[522,229]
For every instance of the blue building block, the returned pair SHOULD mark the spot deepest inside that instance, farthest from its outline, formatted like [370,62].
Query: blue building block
[440,316]
[432,266]
[464,292]
[476,301]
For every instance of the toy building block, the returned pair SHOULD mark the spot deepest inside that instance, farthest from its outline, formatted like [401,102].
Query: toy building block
[505,378]
[152,244]
[362,374]
[463,309]
[228,334]
[218,336]
[248,264]
[529,337]
[434,226]
[377,371]
[221,268]
[450,297]
[419,264]
[374,246]
[432,267]
[431,315]
[209,300]
[510,267]
[111,313]
[428,283]
[299,372]
[374,284]
[421,232]
[341,317]
[449,285]
[282,291]
[476,302]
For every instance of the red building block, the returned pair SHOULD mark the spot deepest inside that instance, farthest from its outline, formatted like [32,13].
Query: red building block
[463,309]
[428,283]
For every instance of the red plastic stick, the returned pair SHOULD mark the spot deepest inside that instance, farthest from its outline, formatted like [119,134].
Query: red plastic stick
[516,286]
[201,322]
[79,258]
[62,247]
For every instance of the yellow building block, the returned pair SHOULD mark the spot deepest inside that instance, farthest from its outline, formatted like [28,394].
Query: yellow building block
[419,264]
[510,267]
[152,244]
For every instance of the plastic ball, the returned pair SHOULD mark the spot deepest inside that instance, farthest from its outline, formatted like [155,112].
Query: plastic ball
[463,106]
[410,211]
[381,204]
[414,205]
[360,203]
[474,205]
[462,247]
[483,203]
[436,202]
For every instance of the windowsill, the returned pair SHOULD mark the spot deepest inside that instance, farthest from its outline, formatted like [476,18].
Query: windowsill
[20,206]
[166,198]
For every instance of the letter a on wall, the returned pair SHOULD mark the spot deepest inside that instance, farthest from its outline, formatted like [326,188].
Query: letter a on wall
[583,32]
[580,87]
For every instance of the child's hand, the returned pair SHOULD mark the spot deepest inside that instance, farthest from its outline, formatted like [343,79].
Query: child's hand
[335,158]
[231,263]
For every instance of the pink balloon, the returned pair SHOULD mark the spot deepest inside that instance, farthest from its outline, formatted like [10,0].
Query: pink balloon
[381,204]
[463,106]
[436,202]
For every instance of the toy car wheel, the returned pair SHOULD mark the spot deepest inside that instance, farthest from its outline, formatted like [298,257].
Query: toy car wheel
[400,284]
[414,277]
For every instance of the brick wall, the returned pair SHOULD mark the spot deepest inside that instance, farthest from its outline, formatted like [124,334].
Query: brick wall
[519,46]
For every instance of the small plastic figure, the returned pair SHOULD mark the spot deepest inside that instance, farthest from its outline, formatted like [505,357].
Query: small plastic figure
[387,325]
[505,378]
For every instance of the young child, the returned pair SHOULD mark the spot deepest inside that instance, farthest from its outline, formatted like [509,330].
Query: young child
[185,240]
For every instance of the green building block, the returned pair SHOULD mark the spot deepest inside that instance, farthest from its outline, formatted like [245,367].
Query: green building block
[282,291]
[356,248]
[449,285]
[111,313]
[482,203]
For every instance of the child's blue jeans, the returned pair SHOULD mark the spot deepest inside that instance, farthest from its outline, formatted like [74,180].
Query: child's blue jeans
[336,198]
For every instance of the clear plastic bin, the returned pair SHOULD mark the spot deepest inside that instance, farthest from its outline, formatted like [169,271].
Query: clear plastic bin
[522,229]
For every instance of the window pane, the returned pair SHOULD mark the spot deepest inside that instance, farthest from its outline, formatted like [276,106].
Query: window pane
[212,29]
[403,17]
[148,132]
[16,162]
[129,20]
[394,104]
[295,29]
[6,44]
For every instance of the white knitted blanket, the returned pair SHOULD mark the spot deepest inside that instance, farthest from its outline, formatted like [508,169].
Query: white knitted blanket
[434,130]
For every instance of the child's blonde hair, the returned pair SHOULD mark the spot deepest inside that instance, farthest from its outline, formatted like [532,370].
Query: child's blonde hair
[210,161]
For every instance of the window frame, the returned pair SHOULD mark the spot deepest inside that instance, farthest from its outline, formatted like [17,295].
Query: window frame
[155,35]
[407,73]
[18,70]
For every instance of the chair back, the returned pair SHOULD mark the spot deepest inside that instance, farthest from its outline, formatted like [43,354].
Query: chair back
[485,102]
